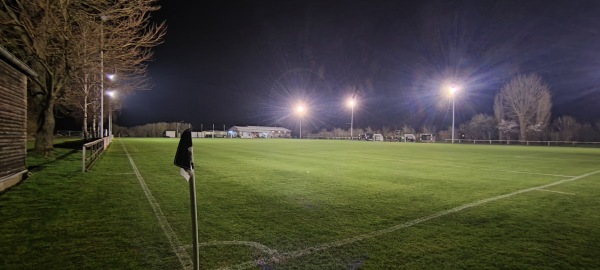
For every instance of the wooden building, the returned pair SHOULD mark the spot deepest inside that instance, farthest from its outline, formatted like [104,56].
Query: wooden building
[13,119]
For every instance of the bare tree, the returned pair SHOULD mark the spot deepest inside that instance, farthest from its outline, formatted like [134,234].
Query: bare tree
[481,126]
[48,35]
[122,33]
[35,31]
[507,128]
[567,127]
[586,133]
[526,100]
[408,129]
[499,113]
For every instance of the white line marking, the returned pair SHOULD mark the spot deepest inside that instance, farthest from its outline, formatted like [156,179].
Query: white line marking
[567,193]
[182,255]
[309,250]
[255,245]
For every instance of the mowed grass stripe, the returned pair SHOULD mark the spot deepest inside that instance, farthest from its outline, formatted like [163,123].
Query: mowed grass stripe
[176,245]
[260,191]
[61,218]
[322,247]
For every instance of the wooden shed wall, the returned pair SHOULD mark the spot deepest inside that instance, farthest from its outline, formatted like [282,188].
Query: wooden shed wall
[13,120]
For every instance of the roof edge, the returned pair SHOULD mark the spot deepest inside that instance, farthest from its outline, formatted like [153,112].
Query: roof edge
[14,61]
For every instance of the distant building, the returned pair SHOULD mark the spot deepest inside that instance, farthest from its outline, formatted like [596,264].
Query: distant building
[199,134]
[13,119]
[170,134]
[248,132]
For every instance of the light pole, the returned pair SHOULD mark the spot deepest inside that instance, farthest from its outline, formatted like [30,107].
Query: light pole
[351,104]
[112,95]
[101,124]
[452,91]
[300,110]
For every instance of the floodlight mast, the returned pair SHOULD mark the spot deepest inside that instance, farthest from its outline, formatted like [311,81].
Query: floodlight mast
[300,110]
[351,104]
[452,91]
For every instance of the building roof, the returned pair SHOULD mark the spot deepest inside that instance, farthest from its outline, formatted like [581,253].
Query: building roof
[16,63]
[258,129]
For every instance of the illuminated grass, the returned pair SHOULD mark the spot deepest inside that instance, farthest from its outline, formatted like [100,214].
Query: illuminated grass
[294,196]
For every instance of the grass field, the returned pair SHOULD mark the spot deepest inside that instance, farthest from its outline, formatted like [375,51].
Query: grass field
[290,204]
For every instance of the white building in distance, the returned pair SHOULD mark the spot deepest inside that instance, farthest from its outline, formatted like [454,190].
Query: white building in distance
[249,132]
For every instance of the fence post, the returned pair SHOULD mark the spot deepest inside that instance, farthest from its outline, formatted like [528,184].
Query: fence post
[83,159]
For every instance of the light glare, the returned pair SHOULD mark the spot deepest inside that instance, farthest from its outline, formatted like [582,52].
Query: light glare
[452,90]
[351,103]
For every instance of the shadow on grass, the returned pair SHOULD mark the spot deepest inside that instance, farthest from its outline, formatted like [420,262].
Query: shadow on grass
[38,167]
[64,149]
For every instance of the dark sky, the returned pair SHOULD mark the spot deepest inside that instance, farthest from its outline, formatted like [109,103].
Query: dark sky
[249,62]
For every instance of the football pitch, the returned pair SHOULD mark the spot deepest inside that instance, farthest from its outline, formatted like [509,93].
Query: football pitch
[308,204]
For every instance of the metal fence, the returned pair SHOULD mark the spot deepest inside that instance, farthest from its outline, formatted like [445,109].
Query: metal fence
[518,142]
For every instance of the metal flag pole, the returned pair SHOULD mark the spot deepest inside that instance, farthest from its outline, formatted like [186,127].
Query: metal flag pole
[194,220]
[184,158]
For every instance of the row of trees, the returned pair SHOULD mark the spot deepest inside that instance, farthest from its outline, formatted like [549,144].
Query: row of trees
[150,130]
[521,112]
[72,46]
[563,128]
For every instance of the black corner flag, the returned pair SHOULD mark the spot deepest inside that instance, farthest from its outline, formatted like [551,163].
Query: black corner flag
[184,158]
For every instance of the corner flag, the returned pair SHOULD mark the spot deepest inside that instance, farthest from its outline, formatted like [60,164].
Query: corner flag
[184,158]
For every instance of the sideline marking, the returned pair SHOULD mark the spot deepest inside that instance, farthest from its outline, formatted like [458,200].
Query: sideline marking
[255,245]
[182,255]
[309,250]
[566,193]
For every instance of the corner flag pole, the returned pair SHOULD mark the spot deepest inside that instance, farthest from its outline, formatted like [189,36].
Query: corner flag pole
[194,221]
[184,158]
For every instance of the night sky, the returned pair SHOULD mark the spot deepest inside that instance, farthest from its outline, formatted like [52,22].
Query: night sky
[250,62]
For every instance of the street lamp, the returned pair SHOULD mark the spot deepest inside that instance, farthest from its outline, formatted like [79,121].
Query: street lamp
[300,110]
[112,94]
[452,92]
[351,104]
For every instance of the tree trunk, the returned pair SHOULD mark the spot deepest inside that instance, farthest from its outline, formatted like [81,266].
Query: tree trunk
[522,128]
[45,131]
[86,134]
[94,126]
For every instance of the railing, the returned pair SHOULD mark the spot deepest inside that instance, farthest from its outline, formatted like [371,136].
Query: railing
[518,142]
[69,133]
[91,153]
[313,137]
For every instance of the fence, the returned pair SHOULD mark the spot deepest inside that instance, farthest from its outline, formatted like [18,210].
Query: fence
[518,142]
[315,137]
[69,133]
[92,151]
